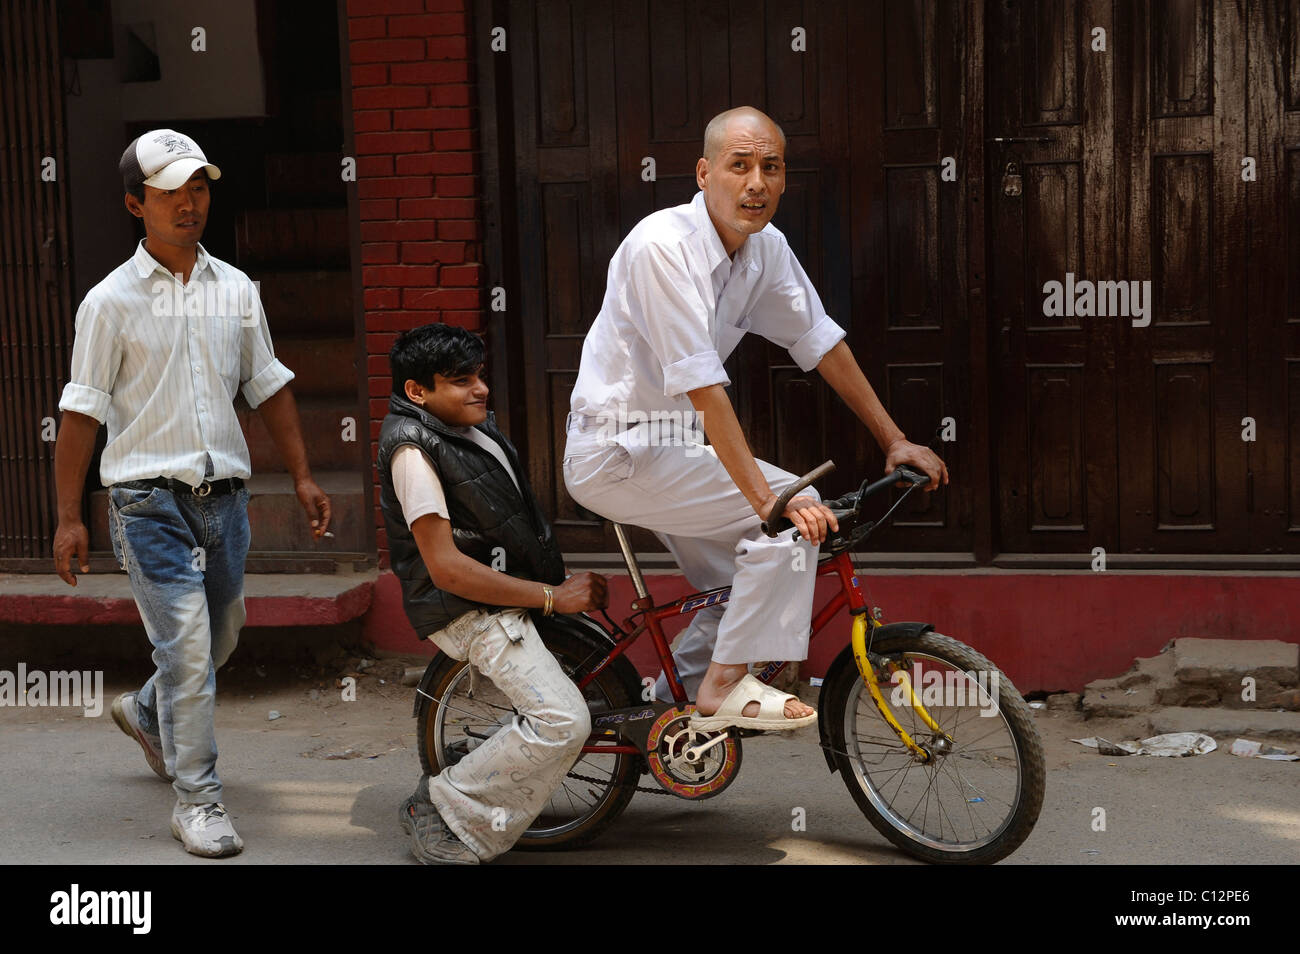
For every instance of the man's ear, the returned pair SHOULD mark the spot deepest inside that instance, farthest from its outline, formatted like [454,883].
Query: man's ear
[701,171]
[133,205]
[414,391]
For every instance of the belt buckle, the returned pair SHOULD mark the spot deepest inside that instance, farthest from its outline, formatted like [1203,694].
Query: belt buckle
[203,489]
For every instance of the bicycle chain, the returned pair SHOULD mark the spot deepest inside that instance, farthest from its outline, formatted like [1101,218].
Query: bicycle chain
[657,790]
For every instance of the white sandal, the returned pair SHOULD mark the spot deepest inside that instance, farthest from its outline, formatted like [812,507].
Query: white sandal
[771,710]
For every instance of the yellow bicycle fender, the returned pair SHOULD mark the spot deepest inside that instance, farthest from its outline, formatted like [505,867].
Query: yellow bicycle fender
[859,642]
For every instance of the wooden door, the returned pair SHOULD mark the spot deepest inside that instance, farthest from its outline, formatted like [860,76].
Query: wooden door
[1181,121]
[1052,401]
[1120,430]
[1273,270]
[36,297]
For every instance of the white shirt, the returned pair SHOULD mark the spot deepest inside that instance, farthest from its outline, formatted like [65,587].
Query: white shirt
[676,306]
[416,483]
[159,362]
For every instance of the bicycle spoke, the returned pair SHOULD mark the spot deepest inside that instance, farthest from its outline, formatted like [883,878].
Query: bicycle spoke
[978,764]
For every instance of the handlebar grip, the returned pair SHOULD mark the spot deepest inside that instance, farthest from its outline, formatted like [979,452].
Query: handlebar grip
[911,474]
[774,515]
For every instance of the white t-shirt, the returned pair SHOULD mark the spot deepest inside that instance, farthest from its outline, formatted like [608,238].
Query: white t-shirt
[416,483]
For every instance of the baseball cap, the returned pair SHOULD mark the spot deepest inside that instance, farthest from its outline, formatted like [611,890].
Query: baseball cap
[164,159]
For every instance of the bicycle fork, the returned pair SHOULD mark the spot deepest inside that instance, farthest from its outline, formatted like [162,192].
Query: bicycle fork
[868,672]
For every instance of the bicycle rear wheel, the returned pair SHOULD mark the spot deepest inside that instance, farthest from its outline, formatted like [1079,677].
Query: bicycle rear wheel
[466,709]
[976,798]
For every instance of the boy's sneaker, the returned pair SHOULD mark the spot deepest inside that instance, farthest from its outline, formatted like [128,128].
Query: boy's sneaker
[127,718]
[432,842]
[205,830]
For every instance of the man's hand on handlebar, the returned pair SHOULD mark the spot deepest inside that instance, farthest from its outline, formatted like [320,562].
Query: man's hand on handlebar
[810,517]
[580,593]
[921,458]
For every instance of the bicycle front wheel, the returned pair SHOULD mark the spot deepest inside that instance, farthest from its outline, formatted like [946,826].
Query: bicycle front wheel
[975,794]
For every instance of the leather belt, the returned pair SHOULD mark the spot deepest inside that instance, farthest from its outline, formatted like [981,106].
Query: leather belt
[208,487]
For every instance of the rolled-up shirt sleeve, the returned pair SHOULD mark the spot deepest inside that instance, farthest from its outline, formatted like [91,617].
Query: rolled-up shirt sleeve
[260,373]
[790,313]
[96,357]
[666,306]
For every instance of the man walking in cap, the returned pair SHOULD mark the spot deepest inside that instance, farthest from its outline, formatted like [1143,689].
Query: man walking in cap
[162,345]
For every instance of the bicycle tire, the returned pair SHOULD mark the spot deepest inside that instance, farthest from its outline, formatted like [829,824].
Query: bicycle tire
[615,687]
[849,700]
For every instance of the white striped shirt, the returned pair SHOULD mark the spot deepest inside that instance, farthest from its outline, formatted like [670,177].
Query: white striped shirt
[159,362]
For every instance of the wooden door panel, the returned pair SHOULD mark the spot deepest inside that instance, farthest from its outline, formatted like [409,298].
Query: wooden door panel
[910,327]
[1182,379]
[1273,204]
[1053,403]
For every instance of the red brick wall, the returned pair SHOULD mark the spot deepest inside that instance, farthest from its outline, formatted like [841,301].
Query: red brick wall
[416,126]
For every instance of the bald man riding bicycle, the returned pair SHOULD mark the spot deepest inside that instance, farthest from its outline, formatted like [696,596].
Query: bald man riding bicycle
[684,287]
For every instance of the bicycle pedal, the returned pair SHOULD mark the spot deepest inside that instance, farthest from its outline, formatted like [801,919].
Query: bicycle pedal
[748,733]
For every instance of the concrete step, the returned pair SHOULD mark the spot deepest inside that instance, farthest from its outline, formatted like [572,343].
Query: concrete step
[306,302]
[275,599]
[1237,673]
[1195,673]
[276,518]
[1133,692]
[322,367]
[292,238]
[1228,724]
[324,428]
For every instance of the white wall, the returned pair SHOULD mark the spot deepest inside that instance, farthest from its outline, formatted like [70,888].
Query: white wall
[226,82]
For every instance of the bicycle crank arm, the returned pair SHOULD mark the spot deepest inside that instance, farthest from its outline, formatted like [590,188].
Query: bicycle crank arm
[696,752]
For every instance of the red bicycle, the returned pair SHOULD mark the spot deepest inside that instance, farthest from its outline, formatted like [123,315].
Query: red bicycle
[935,745]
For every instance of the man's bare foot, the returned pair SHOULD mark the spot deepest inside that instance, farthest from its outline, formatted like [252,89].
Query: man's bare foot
[718,683]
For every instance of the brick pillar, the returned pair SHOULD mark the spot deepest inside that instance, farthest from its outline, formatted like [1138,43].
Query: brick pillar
[413,106]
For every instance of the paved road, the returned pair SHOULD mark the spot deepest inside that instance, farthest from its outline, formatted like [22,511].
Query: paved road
[77,791]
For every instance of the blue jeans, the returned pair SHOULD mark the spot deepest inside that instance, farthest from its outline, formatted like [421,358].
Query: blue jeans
[185,557]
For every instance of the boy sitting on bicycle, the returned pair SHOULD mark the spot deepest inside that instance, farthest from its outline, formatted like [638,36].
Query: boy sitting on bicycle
[456,503]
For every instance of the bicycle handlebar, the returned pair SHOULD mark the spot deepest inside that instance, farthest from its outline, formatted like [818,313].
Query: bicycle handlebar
[778,508]
[915,478]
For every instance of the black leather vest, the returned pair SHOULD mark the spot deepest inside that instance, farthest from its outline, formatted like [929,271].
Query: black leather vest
[486,512]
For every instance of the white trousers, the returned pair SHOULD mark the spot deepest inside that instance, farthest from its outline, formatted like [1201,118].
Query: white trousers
[656,477]
[493,794]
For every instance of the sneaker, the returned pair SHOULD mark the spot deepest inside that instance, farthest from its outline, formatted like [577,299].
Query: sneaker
[205,830]
[127,718]
[432,842]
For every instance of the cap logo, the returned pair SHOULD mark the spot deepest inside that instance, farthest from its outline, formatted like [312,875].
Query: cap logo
[174,143]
